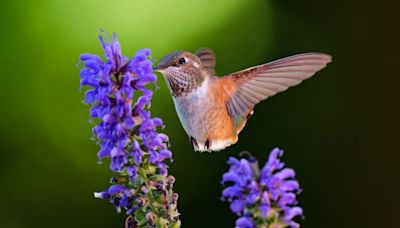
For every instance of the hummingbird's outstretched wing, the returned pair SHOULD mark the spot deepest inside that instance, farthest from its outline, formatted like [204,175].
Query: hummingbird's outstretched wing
[207,58]
[248,87]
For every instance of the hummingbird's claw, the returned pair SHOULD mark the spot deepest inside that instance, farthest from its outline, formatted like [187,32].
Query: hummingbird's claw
[207,145]
[193,142]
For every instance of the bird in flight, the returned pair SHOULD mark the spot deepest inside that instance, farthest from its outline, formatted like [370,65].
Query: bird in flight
[213,110]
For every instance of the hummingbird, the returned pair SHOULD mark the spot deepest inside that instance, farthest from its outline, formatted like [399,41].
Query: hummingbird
[212,109]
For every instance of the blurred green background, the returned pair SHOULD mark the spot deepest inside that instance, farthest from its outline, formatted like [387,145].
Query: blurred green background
[339,130]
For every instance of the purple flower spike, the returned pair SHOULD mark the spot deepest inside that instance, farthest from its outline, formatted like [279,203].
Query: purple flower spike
[265,198]
[128,136]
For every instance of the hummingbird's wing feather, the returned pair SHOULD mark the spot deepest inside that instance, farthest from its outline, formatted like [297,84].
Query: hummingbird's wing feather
[207,58]
[248,87]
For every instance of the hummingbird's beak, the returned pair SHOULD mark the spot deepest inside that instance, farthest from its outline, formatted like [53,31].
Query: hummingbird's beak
[158,68]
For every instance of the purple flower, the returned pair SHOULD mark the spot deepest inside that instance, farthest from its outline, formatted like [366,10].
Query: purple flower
[244,222]
[113,83]
[263,197]
[127,134]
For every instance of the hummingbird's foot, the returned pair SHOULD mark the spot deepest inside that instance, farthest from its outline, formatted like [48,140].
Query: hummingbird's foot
[193,142]
[207,145]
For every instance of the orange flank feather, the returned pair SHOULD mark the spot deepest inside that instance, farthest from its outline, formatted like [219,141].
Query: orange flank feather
[223,126]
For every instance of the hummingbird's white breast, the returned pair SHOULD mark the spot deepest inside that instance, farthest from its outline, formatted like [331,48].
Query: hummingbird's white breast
[192,109]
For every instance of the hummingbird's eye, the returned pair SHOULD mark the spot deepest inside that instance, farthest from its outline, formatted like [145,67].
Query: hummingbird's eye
[182,61]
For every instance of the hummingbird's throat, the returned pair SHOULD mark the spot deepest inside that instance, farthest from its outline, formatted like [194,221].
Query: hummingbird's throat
[181,83]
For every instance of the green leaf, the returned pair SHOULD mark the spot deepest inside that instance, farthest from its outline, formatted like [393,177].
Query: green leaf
[157,177]
[140,217]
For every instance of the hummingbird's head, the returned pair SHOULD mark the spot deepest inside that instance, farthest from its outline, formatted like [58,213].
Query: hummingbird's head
[182,71]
